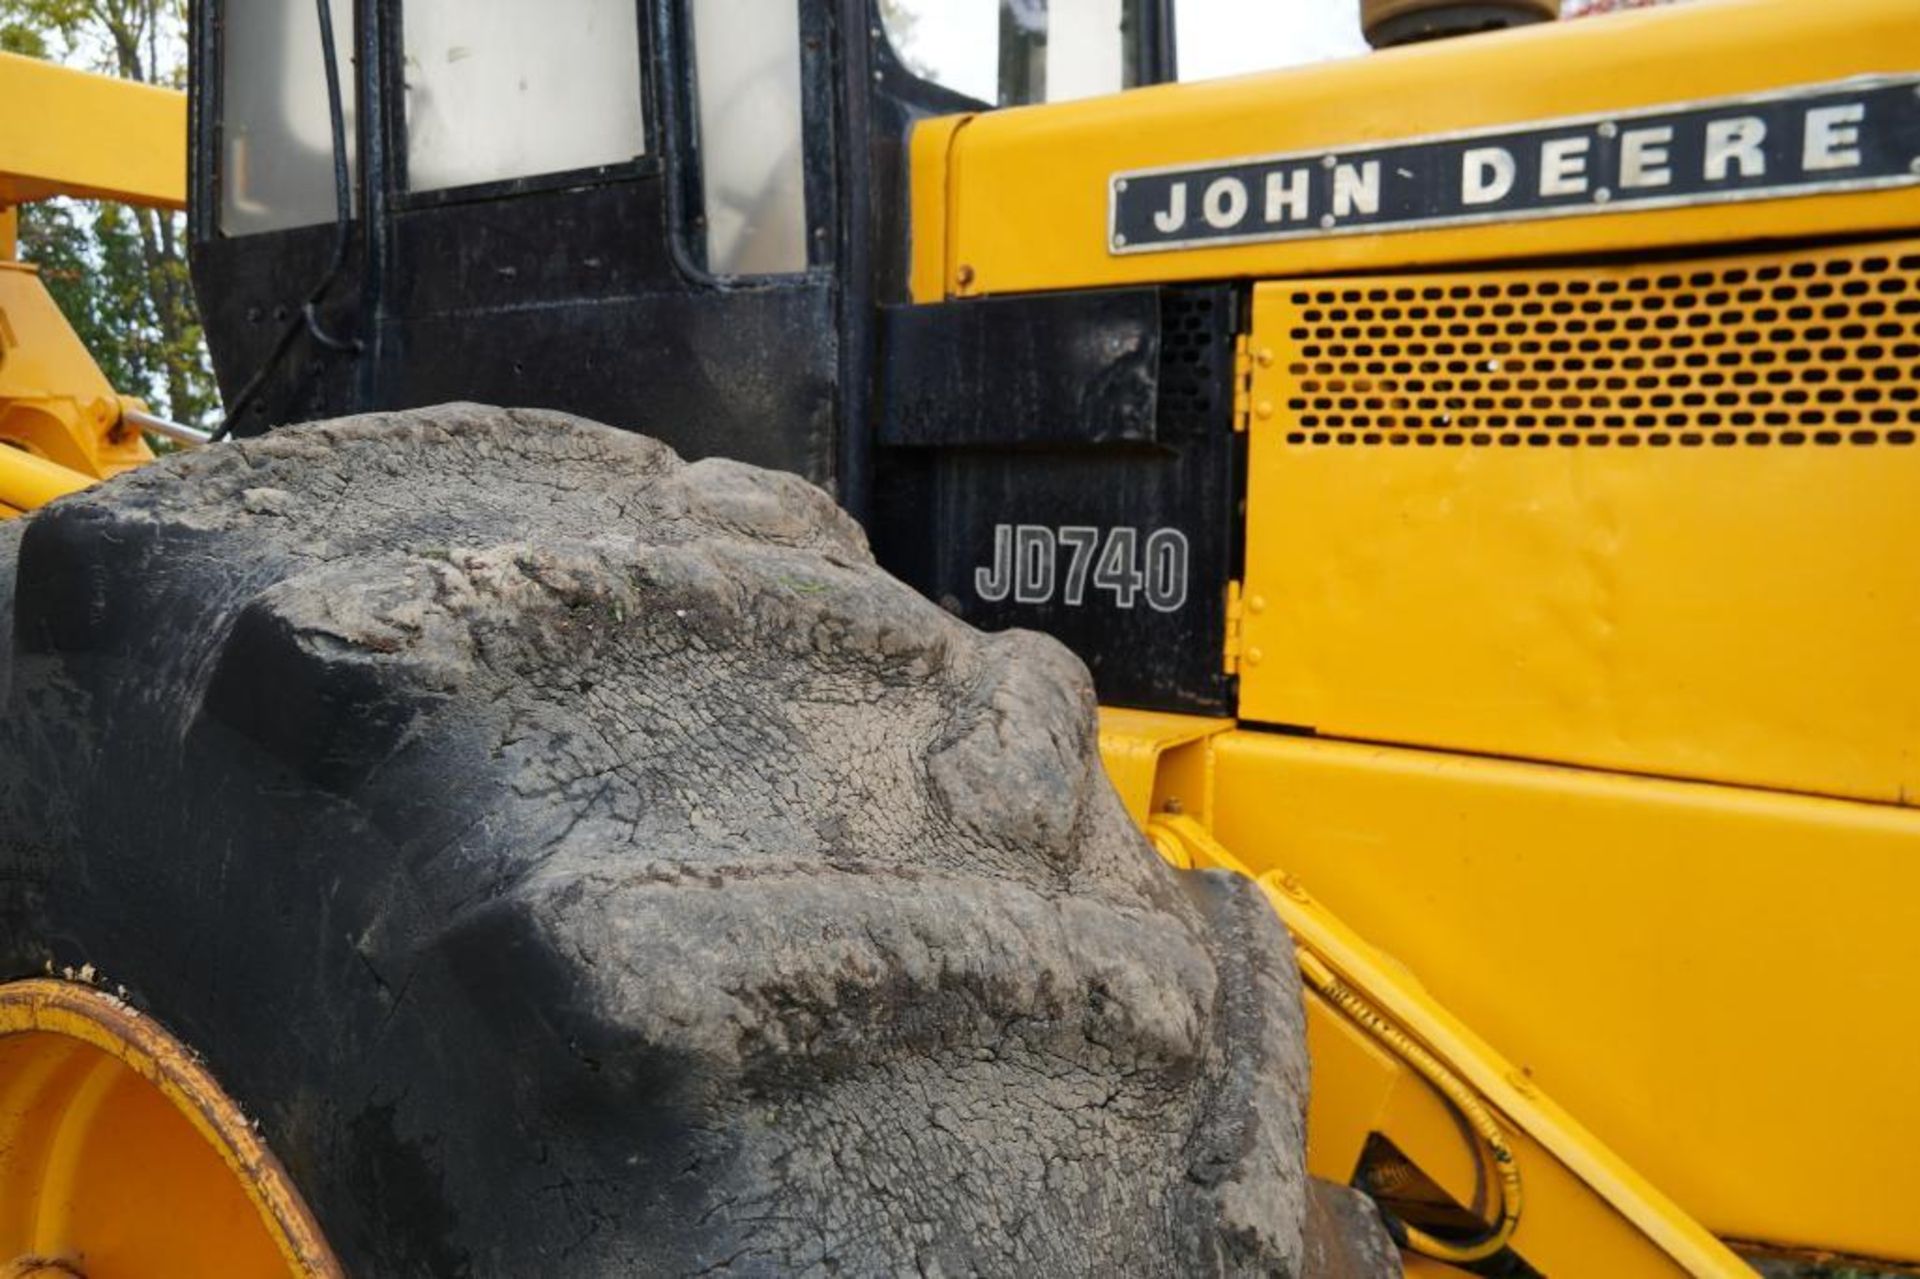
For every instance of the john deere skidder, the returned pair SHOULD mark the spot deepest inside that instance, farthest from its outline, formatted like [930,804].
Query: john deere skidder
[1476,481]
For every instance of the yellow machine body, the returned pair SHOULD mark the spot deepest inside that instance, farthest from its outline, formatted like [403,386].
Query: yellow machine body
[62,426]
[1701,974]
[1694,618]
[1572,632]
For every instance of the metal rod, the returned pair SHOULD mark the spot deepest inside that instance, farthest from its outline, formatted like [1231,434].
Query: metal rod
[175,431]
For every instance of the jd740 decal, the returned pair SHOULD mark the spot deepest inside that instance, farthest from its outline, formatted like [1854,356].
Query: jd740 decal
[1854,135]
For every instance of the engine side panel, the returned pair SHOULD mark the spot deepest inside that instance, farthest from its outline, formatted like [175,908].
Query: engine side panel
[1649,518]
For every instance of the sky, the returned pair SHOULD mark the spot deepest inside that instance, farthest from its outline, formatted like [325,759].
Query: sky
[957,39]
[1228,37]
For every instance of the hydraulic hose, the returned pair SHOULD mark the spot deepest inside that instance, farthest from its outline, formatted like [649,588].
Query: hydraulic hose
[1179,839]
[1336,992]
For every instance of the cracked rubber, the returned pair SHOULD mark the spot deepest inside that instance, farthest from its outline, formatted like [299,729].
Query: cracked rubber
[581,861]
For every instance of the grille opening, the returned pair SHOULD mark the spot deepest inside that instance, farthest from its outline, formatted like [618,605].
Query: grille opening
[1189,347]
[1820,349]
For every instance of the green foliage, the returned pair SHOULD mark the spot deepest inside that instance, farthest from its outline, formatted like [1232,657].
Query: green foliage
[21,37]
[119,273]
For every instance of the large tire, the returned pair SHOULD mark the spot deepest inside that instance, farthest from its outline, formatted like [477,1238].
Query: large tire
[583,862]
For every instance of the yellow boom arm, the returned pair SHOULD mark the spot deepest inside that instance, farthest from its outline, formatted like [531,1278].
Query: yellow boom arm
[90,136]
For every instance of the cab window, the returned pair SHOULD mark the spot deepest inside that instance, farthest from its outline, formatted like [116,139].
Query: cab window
[751,136]
[1013,52]
[1234,37]
[503,89]
[276,144]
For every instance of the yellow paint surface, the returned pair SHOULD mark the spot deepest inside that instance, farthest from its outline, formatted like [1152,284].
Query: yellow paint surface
[1024,204]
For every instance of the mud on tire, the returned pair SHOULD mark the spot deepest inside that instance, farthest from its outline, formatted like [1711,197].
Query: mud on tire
[581,861]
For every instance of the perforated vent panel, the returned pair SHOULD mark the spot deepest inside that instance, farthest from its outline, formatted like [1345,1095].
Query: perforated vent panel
[1195,341]
[1806,349]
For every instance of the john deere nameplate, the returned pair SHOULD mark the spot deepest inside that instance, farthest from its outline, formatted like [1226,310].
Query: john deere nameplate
[1852,135]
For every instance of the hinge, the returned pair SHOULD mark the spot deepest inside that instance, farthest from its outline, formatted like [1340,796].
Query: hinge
[1242,383]
[1231,661]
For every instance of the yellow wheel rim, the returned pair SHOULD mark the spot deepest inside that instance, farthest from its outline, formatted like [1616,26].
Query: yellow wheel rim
[121,1158]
